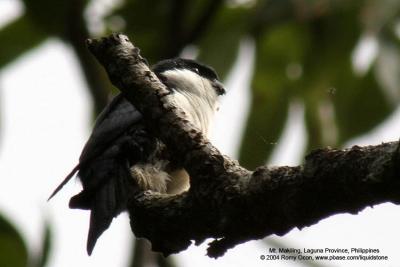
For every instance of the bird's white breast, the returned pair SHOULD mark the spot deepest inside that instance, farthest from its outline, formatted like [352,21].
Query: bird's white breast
[196,96]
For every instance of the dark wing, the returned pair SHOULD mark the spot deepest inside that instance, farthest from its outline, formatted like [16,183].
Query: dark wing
[118,140]
[116,118]
[107,181]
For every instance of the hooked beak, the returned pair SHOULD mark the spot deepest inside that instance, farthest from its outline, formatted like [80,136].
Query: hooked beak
[219,87]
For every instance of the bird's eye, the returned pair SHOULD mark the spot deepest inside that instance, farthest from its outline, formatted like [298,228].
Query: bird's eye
[196,70]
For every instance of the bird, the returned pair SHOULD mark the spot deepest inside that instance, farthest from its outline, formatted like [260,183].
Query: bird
[122,157]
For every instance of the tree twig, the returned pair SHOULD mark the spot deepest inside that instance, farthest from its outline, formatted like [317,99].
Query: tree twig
[188,36]
[76,33]
[225,201]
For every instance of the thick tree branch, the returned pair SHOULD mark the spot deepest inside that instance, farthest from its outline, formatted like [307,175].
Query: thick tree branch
[225,201]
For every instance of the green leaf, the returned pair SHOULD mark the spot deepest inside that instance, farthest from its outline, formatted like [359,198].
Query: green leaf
[264,126]
[220,45]
[17,38]
[148,22]
[159,26]
[313,124]
[360,105]
[12,246]
[330,76]
[272,90]
[54,17]
[320,116]
[387,67]
[329,81]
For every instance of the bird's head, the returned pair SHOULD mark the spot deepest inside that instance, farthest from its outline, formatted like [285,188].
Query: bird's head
[195,88]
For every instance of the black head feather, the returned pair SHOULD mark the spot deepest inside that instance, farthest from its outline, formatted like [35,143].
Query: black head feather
[182,63]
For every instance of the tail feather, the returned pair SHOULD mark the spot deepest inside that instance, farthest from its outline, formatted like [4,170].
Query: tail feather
[105,202]
[82,201]
[65,181]
[101,216]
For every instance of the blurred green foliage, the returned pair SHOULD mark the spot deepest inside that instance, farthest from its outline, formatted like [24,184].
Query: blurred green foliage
[304,51]
[14,251]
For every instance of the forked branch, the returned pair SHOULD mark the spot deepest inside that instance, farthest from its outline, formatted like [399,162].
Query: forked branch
[226,201]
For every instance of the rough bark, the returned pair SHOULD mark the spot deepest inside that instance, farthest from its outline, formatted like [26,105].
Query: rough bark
[226,201]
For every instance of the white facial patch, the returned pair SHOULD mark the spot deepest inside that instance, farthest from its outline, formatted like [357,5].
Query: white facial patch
[195,95]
